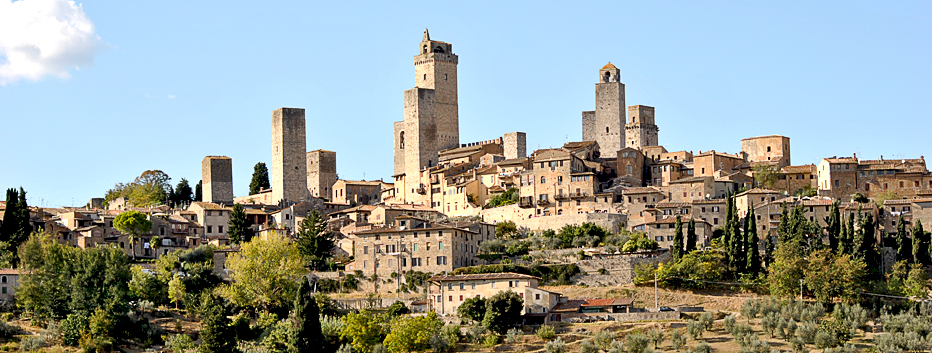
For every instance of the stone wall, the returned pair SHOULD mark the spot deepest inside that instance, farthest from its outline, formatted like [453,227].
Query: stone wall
[611,221]
[588,125]
[321,172]
[620,268]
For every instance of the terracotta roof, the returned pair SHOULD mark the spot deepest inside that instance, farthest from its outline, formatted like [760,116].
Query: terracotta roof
[641,190]
[608,66]
[9,271]
[842,160]
[481,276]
[898,202]
[577,145]
[692,180]
[809,168]
[817,202]
[512,161]
[608,302]
[672,204]
[209,206]
[571,306]
[759,191]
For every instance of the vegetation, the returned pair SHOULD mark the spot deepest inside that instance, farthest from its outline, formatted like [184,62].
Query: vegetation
[265,273]
[239,230]
[151,188]
[508,197]
[15,228]
[132,223]
[260,179]
[314,241]
[555,274]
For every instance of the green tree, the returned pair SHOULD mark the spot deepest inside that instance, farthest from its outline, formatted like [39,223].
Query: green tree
[920,245]
[502,311]
[765,175]
[148,189]
[265,273]
[176,290]
[155,243]
[506,230]
[217,336]
[472,309]
[786,270]
[904,246]
[15,228]
[198,191]
[508,197]
[678,239]
[132,223]
[260,178]
[690,236]
[412,333]
[833,225]
[363,330]
[314,241]
[183,193]
[239,230]
[306,321]
[147,286]
[752,242]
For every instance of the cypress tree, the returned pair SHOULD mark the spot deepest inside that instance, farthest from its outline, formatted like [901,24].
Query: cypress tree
[260,178]
[239,231]
[690,236]
[677,250]
[198,192]
[15,228]
[920,244]
[217,336]
[307,336]
[752,244]
[833,227]
[904,248]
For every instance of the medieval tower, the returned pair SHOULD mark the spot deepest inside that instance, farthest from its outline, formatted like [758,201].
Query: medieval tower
[217,176]
[431,111]
[641,131]
[606,124]
[321,172]
[289,160]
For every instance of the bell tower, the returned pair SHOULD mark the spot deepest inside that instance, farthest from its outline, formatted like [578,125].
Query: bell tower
[607,125]
[431,120]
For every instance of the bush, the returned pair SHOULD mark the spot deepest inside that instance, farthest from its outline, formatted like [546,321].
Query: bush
[695,328]
[655,336]
[636,342]
[707,320]
[587,346]
[512,336]
[72,328]
[702,347]
[379,348]
[491,340]
[677,339]
[32,343]
[825,339]
[397,309]
[476,333]
[603,339]
[555,346]
[8,330]
[546,332]
[438,344]
[179,343]
[729,323]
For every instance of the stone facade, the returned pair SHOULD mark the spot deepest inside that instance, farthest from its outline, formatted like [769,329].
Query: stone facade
[289,157]
[321,172]
[431,109]
[217,176]
[641,130]
[774,149]
[515,145]
[448,292]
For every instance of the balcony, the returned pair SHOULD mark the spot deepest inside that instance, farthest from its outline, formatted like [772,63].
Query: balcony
[578,195]
[561,196]
[525,204]
[543,202]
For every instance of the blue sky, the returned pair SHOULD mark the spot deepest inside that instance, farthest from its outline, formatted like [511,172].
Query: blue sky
[160,85]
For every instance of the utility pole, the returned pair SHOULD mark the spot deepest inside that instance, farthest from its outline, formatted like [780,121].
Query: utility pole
[800,289]
[656,303]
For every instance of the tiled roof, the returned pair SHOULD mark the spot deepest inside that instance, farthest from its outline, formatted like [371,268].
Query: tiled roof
[577,145]
[9,271]
[758,191]
[607,302]
[809,168]
[571,306]
[842,160]
[692,180]
[672,204]
[641,190]
[210,206]
[481,276]
[608,66]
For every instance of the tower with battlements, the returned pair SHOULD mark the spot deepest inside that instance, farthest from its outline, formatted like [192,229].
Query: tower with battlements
[641,131]
[606,124]
[289,159]
[431,109]
[321,172]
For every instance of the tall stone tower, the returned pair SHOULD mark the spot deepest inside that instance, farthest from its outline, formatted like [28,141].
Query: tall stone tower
[606,124]
[431,120]
[321,172]
[217,176]
[515,145]
[641,131]
[289,160]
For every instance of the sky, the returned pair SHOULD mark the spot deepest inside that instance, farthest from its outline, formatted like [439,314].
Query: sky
[93,93]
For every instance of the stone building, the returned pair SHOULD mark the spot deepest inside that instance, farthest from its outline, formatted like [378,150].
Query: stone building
[358,192]
[515,145]
[415,244]
[217,176]
[606,124]
[641,130]
[321,172]
[9,280]
[663,229]
[838,177]
[771,149]
[447,292]
[289,156]
[431,109]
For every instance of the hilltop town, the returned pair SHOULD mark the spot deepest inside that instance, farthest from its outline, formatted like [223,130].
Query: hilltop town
[461,220]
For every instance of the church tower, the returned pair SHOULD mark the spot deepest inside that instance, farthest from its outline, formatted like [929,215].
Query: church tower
[606,124]
[431,113]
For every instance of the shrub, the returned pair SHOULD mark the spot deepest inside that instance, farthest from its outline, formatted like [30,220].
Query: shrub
[476,333]
[707,320]
[702,347]
[72,328]
[546,332]
[451,334]
[695,328]
[491,340]
[512,336]
[655,336]
[555,346]
[32,343]
[587,346]
[729,323]
[345,348]
[677,339]
[8,330]
[397,309]
[636,342]
[603,339]
[825,339]
[807,332]
[179,343]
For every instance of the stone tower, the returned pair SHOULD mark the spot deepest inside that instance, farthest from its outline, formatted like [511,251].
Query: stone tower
[321,172]
[606,124]
[217,176]
[515,145]
[641,131]
[289,160]
[431,113]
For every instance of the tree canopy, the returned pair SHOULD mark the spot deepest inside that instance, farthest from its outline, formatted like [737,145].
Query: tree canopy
[265,273]
[150,188]
[314,241]
[132,223]
[260,179]
[239,230]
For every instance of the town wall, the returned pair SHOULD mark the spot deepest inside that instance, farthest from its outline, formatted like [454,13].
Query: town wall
[612,221]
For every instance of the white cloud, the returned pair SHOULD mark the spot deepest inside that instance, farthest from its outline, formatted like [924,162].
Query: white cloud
[41,38]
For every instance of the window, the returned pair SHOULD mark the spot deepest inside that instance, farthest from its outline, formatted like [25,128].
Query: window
[451,298]
[543,180]
[768,148]
[473,286]
[365,264]
[537,296]
[714,220]
[210,229]
[365,250]
[440,245]
[219,229]
[449,286]
[462,287]
[3,279]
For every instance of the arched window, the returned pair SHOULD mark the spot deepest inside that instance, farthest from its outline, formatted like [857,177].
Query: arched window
[438,50]
[606,129]
[425,49]
[628,169]
[401,140]
[3,279]
[543,180]
[607,77]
